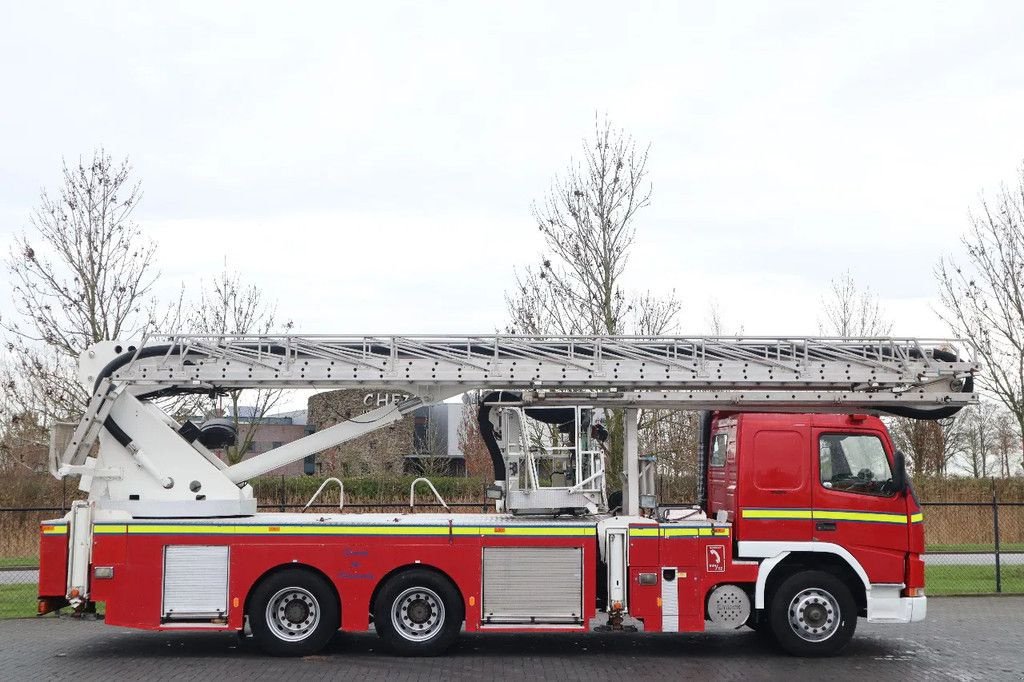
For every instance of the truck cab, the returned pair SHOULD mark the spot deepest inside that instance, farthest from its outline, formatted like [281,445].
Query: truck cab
[819,493]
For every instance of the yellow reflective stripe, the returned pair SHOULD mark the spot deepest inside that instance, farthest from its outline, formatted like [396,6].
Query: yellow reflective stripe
[55,530]
[537,531]
[359,530]
[878,517]
[917,518]
[776,513]
[197,529]
[684,532]
[694,532]
[245,529]
[643,532]
[827,515]
[285,530]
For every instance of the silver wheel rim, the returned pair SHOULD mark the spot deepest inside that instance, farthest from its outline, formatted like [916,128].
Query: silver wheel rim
[814,615]
[293,614]
[417,614]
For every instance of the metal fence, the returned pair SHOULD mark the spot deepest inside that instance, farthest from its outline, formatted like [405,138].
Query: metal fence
[972,547]
[19,558]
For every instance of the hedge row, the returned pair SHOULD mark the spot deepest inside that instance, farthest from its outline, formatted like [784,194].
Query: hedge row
[298,489]
[42,490]
[932,489]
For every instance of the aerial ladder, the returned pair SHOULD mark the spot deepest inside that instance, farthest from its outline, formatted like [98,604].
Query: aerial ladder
[151,465]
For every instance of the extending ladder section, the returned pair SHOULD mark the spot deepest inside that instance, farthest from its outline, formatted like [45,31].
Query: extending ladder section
[727,366]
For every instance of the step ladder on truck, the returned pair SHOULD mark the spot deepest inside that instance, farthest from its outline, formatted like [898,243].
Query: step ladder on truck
[805,519]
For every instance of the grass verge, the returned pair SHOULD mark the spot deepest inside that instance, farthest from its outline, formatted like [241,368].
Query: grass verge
[976,547]
[19,562]
[944,580]
[18,601]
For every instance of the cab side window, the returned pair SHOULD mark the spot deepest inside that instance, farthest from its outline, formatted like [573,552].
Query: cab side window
[855,463]
[718,448]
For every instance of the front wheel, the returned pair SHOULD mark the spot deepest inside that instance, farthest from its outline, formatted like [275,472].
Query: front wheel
[758,622]
[293,612]
[418,613]
[812,614]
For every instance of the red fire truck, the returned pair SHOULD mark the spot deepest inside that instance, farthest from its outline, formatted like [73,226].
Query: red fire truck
[804,519]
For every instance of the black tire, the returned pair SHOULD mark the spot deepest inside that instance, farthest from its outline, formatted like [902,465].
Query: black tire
[758,622]
[812,613]
[418,613]
[293,612]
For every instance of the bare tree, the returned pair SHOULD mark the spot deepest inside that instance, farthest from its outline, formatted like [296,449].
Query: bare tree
[984,296]
[1007,444]
[672,436]
[979,436]
[588,223]
[227,306]
[81,274]
[717,326]
[23,444]
[471,443]
[849,310]
[930,446]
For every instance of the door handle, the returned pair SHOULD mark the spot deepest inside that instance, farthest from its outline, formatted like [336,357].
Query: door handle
[825,525]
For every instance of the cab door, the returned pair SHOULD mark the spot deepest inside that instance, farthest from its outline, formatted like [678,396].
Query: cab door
[722,469]
[855,504]
[776,476]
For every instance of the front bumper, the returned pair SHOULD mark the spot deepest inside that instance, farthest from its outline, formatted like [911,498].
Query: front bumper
[885,605]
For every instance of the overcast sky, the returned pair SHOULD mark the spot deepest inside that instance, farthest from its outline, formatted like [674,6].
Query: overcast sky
[372,165]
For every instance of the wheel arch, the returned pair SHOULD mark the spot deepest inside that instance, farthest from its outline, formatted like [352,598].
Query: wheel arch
[837,561]
[284,567]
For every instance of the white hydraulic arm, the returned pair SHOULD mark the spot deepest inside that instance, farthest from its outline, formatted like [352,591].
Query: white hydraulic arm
[321,440]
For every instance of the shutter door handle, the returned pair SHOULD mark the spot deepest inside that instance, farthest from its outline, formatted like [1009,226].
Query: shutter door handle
[825,525]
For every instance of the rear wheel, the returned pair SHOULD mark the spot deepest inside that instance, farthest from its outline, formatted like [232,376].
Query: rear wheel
[293,612]
[418,613]
[812,614]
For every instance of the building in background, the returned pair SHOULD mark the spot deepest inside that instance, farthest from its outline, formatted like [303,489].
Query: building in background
[425,443]
[436,441]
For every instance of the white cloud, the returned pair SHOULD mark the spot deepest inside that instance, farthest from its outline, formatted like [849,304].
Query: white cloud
[372,166]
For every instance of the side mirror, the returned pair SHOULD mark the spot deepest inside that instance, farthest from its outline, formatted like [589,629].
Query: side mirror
[899,473]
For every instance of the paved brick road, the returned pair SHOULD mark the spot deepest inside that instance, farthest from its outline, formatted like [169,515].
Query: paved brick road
[963,639]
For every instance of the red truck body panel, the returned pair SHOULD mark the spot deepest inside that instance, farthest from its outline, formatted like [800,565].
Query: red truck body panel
[53,559]
[766,481]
